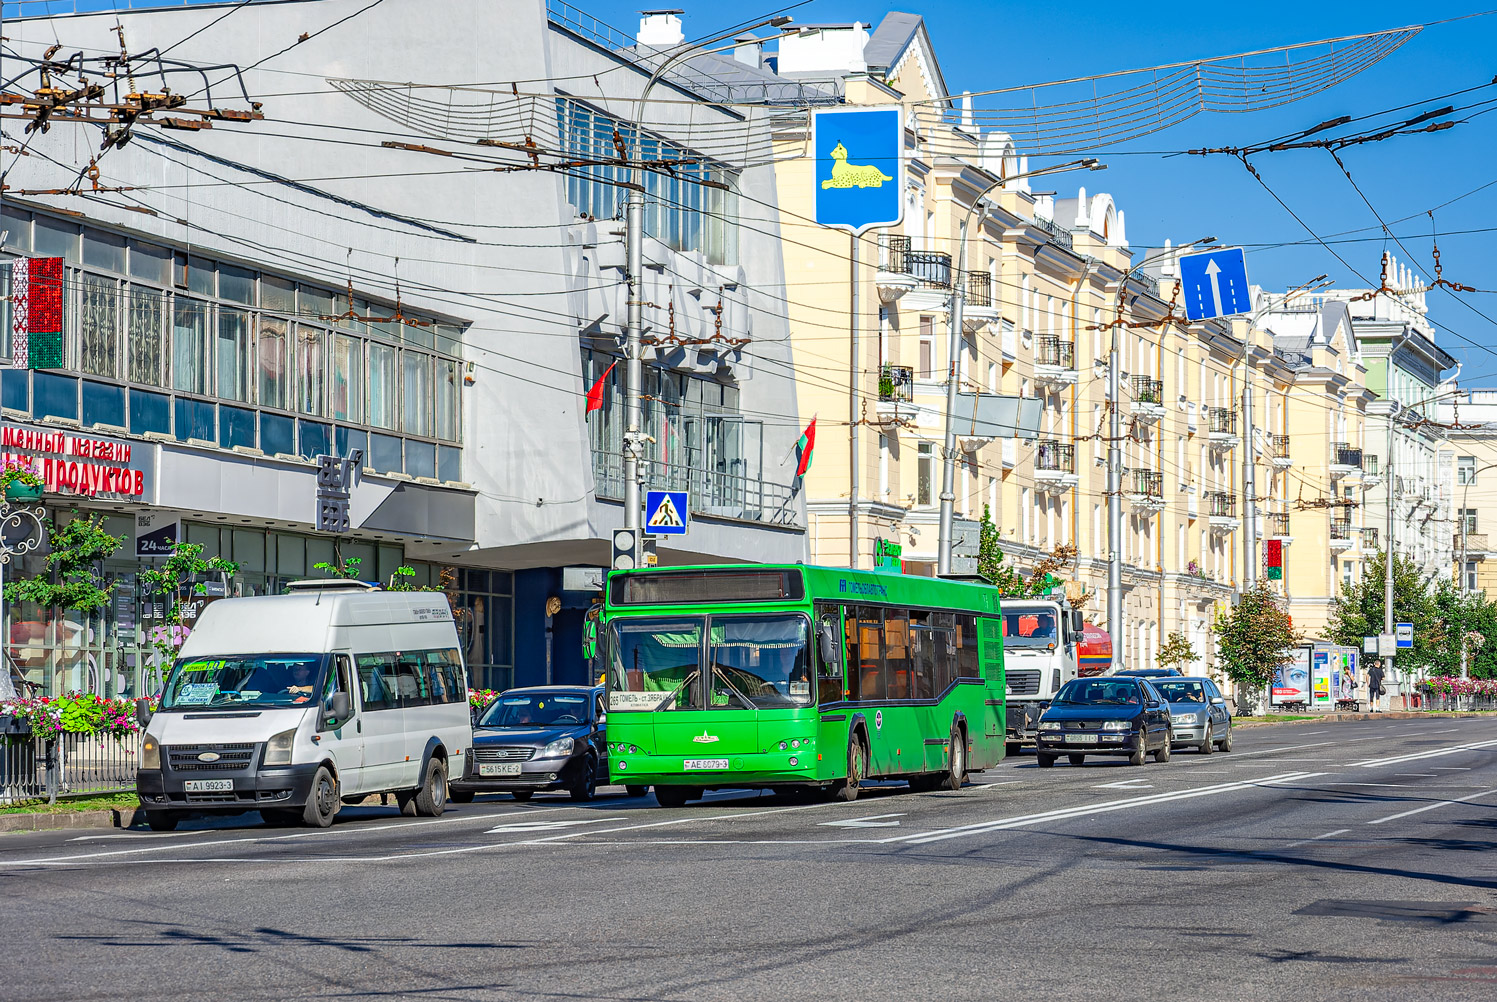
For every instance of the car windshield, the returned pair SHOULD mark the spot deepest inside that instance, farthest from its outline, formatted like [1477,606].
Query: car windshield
[1033,629]
[1103,692]
[244,680]
[752,663]
[536,709]
[1186,691]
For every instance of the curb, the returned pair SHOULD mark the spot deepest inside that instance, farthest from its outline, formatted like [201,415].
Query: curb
[1338,717]
[108,817]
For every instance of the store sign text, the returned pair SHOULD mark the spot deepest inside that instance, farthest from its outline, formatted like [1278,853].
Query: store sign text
[74,463]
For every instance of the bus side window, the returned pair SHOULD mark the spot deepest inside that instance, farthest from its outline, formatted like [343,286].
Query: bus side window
[966,647]
[828,644]
[869,665]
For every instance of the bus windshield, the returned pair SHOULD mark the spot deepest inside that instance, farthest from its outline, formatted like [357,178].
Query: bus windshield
[244,680]
[710,663]
[1028,629]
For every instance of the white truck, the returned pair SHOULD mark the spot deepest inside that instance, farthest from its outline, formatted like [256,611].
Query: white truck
[1041,644]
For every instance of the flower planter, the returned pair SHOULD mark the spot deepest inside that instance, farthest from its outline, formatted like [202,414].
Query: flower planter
[17,491]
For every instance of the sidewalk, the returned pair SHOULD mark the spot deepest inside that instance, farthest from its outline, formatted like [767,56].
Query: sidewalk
[1318,718]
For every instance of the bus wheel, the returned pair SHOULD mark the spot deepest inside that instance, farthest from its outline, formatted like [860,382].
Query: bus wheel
[857,767]
[672,796]
[636,791]
[957,756]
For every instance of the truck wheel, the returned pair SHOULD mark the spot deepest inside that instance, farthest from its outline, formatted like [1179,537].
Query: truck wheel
[322,800]
[431,800]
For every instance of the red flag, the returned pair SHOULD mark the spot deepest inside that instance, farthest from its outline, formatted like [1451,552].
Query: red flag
[595,395]
[807,445]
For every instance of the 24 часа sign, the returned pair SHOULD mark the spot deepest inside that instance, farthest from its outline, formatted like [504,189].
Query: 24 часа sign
[859,176]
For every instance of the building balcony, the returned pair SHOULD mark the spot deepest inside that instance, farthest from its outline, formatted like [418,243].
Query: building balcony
[979,309]
[1222,509]
[1146,491]
[1370,538]
[1345,461]
[1221,427]
[896,394]
[1341,534]
[1054,361]
[1148,399]
[1278,451]
[1055,466]
[1275,525]
[893,277]
[931,271]
[1371,473]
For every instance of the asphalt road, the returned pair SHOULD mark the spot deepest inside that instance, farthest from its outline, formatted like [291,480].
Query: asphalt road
[1316,861]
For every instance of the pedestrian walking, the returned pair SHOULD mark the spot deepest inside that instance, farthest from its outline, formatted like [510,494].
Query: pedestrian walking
[1375,685]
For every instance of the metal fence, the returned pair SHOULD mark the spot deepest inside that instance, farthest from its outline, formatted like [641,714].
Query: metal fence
[69,765]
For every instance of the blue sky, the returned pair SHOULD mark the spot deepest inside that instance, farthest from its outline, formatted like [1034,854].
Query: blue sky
[983,45]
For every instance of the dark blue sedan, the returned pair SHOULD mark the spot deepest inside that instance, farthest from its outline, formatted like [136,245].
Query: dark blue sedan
[1105,716]
[542,738]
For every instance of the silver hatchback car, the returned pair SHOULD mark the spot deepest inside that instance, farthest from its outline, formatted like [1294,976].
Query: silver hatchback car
[1199,713]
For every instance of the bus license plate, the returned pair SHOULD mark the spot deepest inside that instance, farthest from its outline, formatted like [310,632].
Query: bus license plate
[1081,739]
[706,763]
[209,786]
[499,769]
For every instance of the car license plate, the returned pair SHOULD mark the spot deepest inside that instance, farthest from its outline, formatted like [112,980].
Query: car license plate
[706,763]
[1081,739]
[499,769]
[210,786]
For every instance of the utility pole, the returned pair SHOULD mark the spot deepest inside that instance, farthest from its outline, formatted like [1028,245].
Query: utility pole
[854,524]
[1249,472]
[1388,552]
[953,373]
[1115,490]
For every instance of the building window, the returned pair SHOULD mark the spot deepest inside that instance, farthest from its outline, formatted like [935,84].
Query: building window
[1465,469]
[927,348]
[1471,575]
[925,461]
[1468,520]
[883,466]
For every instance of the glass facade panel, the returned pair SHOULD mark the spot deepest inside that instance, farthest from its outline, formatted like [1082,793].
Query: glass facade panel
[150,412]
[236,285]
[384,390]
[314,304]
[236,426]
[313,439]
[278,295]
[348,379]
[103,403]
[17,225]
[311,370]
[190,345]
[196,420]
[446,400]
[56,396]
[384,454]
[348,439]
[154,264]
[54,238]
[104,250]
[15,389]
[277,434]
[416,402]
[197,275]
[420,459]
[146,324]
[233,354]
[98,325]
[272,368]
[449,463]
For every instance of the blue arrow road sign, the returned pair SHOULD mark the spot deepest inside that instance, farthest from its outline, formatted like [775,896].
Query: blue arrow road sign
[1215,284]
[666,513]
[859,175]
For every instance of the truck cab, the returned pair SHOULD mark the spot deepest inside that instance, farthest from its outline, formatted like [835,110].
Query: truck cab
[1041,643]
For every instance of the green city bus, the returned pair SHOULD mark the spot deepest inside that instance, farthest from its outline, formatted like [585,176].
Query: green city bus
[793,676]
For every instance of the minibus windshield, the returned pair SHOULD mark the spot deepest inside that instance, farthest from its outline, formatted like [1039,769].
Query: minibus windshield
[245,680]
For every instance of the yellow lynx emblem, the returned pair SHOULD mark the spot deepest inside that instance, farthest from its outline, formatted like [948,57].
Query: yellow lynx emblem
[846,175]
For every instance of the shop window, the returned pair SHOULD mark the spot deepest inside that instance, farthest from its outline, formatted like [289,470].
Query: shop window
[349,439]
[98,325]
[206,536]
[390,557]
[290,555]
[150,412]
[190,346]
[311,439]
[277,434]
[367,556]
[233,354]
[319,551]
[236,426]
[421,459]
[384,453]
[195,419]
[449,463]
[311,370]
[15,389]
[145,324]
[249,550]
[272,369]
[103,403]
[417,395]
[56,396]
[383,388]
[150,263]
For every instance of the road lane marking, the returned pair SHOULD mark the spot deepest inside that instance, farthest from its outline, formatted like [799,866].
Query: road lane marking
[547,826]
[1451,768]
[1127,784]
[1338,831]
[1373,763]
[1430,807]
[872,821]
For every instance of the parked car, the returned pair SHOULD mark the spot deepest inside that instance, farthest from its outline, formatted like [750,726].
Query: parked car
[541,738]
[1116,715]
[1199,713]
[1147,673]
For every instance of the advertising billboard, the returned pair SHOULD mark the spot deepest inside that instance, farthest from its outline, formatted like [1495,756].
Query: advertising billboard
[1291,681]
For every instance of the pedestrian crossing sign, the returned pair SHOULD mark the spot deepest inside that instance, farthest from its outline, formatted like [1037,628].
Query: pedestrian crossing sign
[666,513]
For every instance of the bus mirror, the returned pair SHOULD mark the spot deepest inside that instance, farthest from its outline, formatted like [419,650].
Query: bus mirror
[1078,622]
[827,643]
[142,712]
[339,707]
[590,640]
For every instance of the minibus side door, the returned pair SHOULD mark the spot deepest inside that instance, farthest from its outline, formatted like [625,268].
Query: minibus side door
[343,738]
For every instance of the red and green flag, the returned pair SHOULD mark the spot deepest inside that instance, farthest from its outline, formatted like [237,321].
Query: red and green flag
[804,448]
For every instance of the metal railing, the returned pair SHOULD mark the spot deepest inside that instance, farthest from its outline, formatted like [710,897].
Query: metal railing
[892,254]
[1149,483]
[896,383]
[1342,454]
[1055,456]
[68,765]
[1276,523]
[1060,236]
[1221,420]
[932,269]
[1220,504]
[1278,446]
[1340,528]
[979,289]
[1051,350]
[1148,391]
[726,495]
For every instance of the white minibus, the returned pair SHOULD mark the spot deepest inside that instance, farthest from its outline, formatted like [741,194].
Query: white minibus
[293,705]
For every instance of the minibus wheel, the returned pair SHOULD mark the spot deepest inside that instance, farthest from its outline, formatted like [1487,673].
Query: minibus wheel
[431,799]
[322,799]
[162,821]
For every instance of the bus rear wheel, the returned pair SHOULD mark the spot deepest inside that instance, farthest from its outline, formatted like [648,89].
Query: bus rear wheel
[675,796]
[957,756]
[857,768]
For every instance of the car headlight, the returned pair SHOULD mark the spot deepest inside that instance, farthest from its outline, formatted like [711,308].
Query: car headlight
[278,748]
[1116,725]
[150,753]
[561,746]
[1049,725]
[1186,718]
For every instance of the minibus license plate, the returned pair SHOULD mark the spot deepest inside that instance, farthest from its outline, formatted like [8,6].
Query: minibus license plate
[1081,739]
[210,786]
[706,763]
[499,769]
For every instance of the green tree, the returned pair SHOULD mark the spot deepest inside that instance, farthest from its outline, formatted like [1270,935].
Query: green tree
[72,579]
[1254,638]
[1464,617]
[1359,611]
[1176,651]
[346,568]
[992,565]
[181,575]
[402,579]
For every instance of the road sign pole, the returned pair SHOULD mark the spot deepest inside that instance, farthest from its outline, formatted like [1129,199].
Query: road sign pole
[1388,549]
[953,373]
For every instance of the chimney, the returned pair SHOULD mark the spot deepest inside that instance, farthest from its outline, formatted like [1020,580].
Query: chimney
[749,50]
[967,110]
[660,29]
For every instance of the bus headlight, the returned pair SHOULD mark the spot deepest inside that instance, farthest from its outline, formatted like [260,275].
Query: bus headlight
[278,748]
[150,753]
[557,748]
